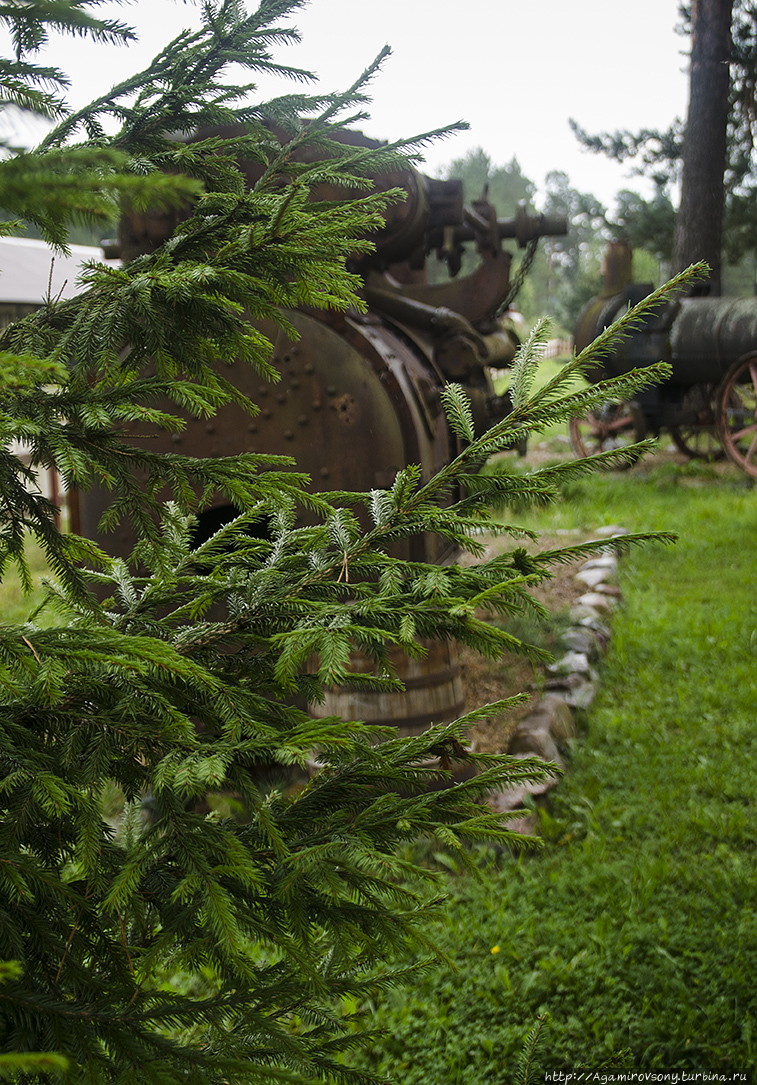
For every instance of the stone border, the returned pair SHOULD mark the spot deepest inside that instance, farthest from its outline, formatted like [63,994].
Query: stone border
[570,683]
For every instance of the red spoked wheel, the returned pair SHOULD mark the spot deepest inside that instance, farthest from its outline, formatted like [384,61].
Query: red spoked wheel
[737,414]
[615,425]
[698,437]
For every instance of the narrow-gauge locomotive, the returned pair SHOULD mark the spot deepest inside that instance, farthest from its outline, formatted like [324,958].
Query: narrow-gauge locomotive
[709,405]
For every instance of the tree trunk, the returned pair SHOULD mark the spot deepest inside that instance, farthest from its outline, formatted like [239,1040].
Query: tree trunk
[699,224]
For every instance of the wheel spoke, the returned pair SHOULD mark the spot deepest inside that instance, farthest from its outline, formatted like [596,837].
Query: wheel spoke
[737,434]
[752,447]
[753,374]
[696,434]
[619,424]
[611,427]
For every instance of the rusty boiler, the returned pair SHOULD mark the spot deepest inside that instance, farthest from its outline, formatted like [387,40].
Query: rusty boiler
[359,395]
[709,404]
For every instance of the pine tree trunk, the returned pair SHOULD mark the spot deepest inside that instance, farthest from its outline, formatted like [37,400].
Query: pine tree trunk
[699,224]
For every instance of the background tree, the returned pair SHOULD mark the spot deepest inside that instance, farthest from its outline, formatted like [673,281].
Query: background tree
[200,947]
[648,224]
[506,185]
[573,261]
[565,271]
[699,222]
[722,106]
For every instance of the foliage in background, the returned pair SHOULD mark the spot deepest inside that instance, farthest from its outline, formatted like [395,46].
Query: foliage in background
[187,945]
[504,185]
[566,270]
[573,262]
[633,929]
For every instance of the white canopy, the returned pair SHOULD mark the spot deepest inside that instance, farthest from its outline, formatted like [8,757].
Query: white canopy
[30,269]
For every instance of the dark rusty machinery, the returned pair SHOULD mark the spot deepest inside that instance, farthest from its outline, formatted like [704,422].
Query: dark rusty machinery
[359,395]
[709,405]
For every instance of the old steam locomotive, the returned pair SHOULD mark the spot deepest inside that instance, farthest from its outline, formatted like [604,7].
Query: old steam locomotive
[709,406]
[359,395]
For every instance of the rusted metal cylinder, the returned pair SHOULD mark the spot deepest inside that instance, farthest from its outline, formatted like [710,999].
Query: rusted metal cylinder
[700,338]
[708,335]
[433,691]
[354,405]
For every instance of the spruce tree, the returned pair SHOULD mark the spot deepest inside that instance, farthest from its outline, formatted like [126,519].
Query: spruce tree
[194,946]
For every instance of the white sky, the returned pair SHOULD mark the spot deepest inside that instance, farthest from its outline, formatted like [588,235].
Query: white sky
[516,70]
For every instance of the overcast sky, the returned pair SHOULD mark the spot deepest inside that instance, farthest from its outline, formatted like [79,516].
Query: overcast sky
[516,70]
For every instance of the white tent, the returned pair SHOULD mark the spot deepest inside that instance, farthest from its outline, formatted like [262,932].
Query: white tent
[30,270]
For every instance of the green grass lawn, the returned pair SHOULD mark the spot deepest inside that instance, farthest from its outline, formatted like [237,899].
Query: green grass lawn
[634,929]
[15,604]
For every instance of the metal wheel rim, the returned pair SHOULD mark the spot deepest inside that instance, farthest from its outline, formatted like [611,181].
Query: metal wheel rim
[737,414]
[617,425]
[699,439]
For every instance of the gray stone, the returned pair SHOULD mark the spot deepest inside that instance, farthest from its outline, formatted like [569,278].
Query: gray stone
[564,681]
[591,577]
[571,663]
[512,798]
[584,615]
[610,531]
[535,744]
[599,632]
[523,821]
[581,695]
[578,640]
[595,623]
[604,561]
[552,716]
[562,726]
[528,825]
[596,600]
[608,589]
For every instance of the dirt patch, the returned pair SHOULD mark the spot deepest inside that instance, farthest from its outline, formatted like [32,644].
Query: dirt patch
[487,680]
